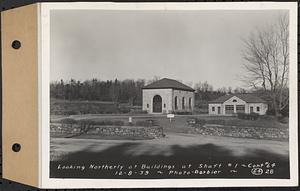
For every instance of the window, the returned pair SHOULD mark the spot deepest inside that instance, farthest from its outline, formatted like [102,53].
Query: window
[147,105]
[190,103]
[229,109]
[176,103]
[257,109]
[213,109]
[183,106]
[234,100]
[240,108]
[251,109]
[164,105]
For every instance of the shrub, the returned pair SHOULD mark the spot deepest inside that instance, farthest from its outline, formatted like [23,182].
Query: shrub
[138,112]
[253,116]
[85,125]
[191,121]
[284,120]
[143,123]
[196,121]
[285,111]
[201,121]
[86,122]
[147,123]
[267,117]
[217,121]
[109,122]
[118,123]
[270,112]
[68,121]
[124,109]
[183,112]
[70,112]
[241,115]
[245,116]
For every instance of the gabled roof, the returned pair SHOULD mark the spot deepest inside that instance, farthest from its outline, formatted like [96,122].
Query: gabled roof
[248,98]
[166,83]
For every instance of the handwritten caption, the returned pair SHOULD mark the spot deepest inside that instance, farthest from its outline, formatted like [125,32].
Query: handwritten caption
[175,170]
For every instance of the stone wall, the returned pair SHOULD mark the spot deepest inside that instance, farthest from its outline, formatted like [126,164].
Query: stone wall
[242,132]
[67,130]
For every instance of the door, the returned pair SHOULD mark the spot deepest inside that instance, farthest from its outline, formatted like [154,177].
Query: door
[229,109]
[219,110]
[157,104]
[240,108]
[251,109]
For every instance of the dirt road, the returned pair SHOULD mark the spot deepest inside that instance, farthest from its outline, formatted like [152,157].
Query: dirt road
[238,146]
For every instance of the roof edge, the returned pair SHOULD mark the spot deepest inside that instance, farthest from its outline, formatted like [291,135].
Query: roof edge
[191,90]
[243,100]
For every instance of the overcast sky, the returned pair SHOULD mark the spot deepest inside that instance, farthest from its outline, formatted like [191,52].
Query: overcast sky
[190,46]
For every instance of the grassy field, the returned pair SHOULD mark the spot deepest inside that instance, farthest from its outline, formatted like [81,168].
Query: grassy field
[263,121]
[65,107]
[73,107]
[179,123]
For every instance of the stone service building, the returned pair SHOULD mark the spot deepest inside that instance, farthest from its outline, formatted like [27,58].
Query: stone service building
[237,103]
[167,96]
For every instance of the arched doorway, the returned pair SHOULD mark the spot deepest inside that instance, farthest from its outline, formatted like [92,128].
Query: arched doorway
[157,104]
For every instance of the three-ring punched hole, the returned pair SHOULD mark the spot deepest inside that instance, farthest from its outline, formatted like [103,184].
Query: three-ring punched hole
[16,44]
[16,147]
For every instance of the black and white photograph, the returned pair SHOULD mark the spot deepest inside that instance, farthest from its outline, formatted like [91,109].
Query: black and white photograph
[170,93]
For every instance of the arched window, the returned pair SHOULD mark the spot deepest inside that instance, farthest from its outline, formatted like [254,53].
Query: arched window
[190,103]
[183,106]
[176,103]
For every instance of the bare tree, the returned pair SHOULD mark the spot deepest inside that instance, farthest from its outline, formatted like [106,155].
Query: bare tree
[267,55]
[154,79]
[239,91]
[229,90]
[203,87]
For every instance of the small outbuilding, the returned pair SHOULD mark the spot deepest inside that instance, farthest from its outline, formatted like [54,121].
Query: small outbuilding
[168,96]
[237,103]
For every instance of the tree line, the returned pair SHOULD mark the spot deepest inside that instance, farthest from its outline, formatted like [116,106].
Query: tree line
[123,91]
[205,91]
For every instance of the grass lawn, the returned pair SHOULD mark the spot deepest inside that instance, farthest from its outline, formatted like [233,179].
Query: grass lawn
[263,121]
[179,123]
